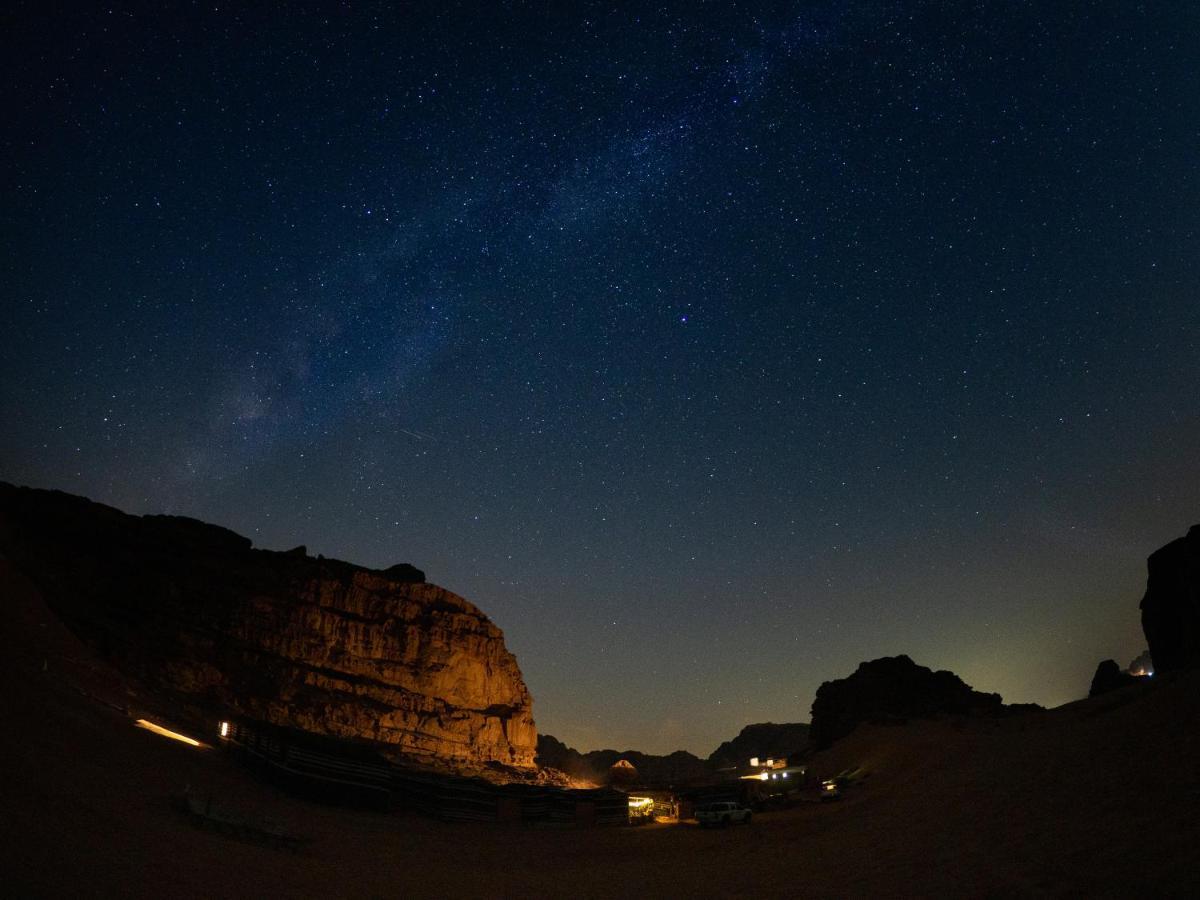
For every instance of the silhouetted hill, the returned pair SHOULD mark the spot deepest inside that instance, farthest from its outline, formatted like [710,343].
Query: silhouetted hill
[892,690]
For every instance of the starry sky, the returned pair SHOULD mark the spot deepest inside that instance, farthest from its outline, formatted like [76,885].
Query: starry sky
[710,349]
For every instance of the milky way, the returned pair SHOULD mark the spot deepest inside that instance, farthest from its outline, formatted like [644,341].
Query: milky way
[709,350]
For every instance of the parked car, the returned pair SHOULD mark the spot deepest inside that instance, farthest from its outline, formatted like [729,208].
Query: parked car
[830,789]
[723,813]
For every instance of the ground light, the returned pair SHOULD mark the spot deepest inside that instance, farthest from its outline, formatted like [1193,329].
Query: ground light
[641,808]
[166,732]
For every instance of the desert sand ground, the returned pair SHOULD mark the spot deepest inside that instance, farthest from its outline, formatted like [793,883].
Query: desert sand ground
[1098,798]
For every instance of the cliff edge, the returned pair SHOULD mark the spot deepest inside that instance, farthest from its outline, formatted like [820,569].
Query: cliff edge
[279,637]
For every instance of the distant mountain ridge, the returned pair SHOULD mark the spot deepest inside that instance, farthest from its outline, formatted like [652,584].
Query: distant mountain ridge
[679,767]
[764,739]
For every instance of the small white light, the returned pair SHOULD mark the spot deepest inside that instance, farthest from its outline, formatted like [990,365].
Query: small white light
[785,774]
[763,776]
[224,729]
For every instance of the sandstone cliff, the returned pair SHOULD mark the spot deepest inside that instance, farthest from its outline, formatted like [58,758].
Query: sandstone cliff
[316,644]
[1171,606]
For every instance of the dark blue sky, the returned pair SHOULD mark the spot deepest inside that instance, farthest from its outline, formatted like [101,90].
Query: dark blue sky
[710,350]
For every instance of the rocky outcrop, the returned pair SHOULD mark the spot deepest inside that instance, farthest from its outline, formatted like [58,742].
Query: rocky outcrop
[1171,606]
[764,740]
[892,690]
[1109,677]
[316,644]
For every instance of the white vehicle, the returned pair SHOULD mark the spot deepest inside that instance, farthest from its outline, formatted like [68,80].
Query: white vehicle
[723,813]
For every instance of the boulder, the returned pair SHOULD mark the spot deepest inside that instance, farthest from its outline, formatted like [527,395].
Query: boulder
[892,690]
[1109,677]
[192,610]
[1171,605]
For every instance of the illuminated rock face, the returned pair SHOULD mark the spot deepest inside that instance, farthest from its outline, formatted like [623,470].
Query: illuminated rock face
[410,665]
[315,644]
[1171,606]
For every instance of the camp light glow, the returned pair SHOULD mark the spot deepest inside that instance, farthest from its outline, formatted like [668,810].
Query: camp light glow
[165,732]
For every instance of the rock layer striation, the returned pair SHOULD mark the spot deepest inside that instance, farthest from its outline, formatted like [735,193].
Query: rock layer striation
[315,644]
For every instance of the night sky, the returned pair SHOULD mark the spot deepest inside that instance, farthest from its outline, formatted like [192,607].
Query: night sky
[709,350]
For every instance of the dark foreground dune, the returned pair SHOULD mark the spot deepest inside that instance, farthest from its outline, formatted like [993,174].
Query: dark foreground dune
[1099,798]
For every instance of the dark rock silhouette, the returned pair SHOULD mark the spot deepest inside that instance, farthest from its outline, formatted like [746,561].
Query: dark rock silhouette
[191,610]
[766,739]
[404,572]
[1109,677]
[1171,605]
[892,690]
